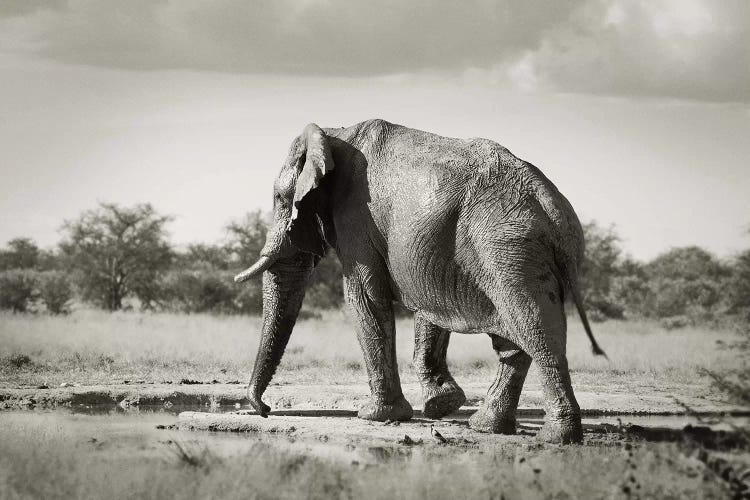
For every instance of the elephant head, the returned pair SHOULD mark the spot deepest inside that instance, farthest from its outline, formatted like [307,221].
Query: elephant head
[293,247]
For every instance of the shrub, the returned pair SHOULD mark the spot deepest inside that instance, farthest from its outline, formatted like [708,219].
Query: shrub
[18,289]
[200,291]
[18,360]
[20,253]
[737,292]
[686,282]
[55,291]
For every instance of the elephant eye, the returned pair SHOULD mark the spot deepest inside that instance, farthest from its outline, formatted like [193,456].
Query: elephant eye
[279,200]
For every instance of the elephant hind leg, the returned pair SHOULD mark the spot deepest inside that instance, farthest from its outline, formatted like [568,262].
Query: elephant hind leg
[440,392]
[535,314]
[498,412]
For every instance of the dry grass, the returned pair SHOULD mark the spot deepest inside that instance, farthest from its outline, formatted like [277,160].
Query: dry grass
[96,347]
[44,456]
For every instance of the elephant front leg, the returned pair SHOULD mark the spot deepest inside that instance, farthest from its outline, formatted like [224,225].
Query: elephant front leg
[498,412]
[376,332]
[440,392]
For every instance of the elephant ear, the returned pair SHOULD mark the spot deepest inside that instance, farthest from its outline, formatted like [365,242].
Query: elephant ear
[306,227]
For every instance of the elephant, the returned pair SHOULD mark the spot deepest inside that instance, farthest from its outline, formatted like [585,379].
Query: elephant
[462,232]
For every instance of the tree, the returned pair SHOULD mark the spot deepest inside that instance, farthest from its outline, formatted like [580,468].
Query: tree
[598,271]
[21,253]
[247,237]
[116,252]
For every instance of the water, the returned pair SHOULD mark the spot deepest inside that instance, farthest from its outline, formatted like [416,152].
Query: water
[122,432]
[716,422]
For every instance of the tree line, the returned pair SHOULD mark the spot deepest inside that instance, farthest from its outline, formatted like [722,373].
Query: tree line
[116,257]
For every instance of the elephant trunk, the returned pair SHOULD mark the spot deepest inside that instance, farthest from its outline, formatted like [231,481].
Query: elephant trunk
[283,291]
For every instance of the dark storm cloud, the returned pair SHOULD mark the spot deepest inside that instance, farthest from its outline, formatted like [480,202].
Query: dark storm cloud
[634,48]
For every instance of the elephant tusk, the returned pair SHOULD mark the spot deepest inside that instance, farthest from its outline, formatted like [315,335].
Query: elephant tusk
[262,265]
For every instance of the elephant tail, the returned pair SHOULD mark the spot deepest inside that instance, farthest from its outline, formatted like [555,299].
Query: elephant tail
[578,300]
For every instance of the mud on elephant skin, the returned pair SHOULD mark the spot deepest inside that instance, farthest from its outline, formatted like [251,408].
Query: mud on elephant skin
[462,232]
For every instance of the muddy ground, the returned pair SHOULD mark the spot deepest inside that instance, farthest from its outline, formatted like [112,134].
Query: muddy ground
[593,400]
[191,441]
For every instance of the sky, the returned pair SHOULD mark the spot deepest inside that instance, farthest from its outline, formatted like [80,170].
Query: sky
[639,111]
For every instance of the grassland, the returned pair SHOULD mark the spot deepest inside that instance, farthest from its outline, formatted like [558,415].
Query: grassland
[121,455]
[42,456]
[93,347]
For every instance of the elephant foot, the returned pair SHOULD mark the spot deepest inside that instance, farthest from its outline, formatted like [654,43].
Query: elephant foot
[561,430]
[442,400]
[253,398]
[400,409]
[493,420]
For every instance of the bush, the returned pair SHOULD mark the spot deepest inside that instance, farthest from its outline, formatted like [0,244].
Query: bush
[20,253]
[737,292]
[18,289]
[632,295]
[200,291]
[18,360]
[55,291]
[686,282]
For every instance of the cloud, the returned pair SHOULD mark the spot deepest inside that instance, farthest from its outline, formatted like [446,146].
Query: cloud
[13,8]
[675,48]
[351,37]
[678,48]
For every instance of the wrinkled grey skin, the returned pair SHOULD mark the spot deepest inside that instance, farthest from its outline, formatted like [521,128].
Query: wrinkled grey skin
[471,238]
